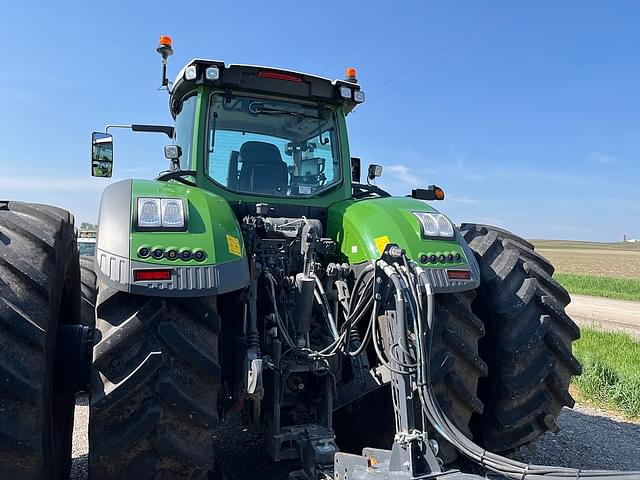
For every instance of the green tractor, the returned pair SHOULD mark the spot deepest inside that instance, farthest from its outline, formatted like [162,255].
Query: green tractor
[261,274]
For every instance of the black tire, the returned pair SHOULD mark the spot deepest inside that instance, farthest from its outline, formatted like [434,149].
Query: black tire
[456,369]
[527,344]
[153,387]
[39,279]
[88,291]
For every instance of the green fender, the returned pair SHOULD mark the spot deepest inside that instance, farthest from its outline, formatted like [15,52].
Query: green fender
[363,227]
[211,227]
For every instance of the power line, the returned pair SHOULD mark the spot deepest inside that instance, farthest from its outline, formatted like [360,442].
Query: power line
[383,40]
[420,67]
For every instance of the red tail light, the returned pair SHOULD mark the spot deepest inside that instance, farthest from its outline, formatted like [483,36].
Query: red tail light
[151,275]
[280,76]
[459,274]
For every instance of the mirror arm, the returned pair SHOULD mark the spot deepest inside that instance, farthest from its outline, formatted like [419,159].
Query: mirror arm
[167,130]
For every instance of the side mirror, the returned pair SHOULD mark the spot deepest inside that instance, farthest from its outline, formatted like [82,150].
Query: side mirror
[101,155]
[355,169]
[374,171]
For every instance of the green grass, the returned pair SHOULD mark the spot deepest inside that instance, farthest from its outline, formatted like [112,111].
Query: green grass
[578,245]
[610,373]
[620,288]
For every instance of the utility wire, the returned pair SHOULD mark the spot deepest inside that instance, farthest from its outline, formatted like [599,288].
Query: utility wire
[383,39]
[459,45]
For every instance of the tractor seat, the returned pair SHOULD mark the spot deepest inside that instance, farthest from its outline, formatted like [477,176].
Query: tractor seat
[263,170]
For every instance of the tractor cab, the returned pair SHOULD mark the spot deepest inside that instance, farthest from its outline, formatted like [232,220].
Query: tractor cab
[254,134]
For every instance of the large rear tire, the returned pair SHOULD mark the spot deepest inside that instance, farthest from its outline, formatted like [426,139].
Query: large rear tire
[527,344]
[39,292]
[456,369]
[153,387]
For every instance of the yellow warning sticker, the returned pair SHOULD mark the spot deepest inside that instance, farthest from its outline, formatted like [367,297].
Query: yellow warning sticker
[234,245]
[382,242]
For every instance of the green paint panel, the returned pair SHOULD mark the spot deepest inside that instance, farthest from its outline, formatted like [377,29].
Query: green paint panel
[212,225]
[360,228]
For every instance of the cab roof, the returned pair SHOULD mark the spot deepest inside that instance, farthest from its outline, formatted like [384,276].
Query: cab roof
[259,79]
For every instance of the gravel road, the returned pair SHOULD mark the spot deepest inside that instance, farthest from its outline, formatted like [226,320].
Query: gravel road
[589,438]
[605,313]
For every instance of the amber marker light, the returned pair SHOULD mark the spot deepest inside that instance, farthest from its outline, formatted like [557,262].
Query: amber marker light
[165,41]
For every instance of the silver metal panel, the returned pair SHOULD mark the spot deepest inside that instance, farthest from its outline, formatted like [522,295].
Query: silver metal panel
[473,263]
[442,284]
[186,281]
[113,268]
[186,278]
[114,219]
[193,280]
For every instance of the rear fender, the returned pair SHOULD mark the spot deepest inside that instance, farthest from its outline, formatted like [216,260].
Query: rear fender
[211,227]
[364,227]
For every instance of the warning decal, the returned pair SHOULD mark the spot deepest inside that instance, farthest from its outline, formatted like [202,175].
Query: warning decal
[234,245]
[382,242]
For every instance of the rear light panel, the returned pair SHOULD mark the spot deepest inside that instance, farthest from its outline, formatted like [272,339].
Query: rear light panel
[155,275]
[280,76]
[459,274]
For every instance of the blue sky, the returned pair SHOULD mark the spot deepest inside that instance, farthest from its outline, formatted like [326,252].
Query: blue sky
[526,113]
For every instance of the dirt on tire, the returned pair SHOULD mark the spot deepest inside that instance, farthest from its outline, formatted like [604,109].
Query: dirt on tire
[528,340]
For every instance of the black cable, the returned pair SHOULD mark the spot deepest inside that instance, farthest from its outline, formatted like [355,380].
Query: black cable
[502,465]
[510,468]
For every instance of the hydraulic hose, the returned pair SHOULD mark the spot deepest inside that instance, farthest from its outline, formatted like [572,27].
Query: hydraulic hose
[321,298]
[283,329]
[326,313]
[401,278]
[497,463]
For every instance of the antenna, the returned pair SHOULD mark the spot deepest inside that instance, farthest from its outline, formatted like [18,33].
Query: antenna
[165,50]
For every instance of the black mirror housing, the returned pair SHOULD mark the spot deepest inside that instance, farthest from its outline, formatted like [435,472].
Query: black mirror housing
[101,155]
[355,169]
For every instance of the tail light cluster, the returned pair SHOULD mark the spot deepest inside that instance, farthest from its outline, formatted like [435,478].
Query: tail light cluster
[185,254]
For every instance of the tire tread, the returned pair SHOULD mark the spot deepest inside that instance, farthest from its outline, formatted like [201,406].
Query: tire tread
[150,362]
[37,255]
[528,343]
